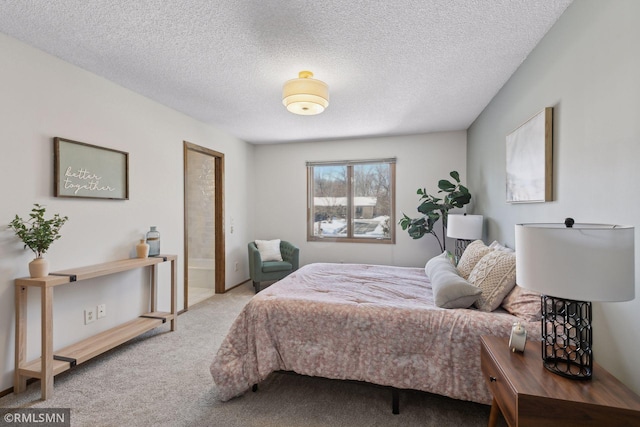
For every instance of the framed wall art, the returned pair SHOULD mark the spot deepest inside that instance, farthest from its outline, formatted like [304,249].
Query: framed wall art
[88,171]
[530,160]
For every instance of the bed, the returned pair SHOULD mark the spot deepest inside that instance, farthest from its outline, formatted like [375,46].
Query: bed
[370,323]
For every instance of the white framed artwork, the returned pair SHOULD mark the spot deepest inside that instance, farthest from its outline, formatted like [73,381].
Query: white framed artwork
[530,160]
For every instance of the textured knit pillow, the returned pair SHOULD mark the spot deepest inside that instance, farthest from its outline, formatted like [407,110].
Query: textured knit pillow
[523,303]
[495,275]
[470,257]
[449,289]
[269,250]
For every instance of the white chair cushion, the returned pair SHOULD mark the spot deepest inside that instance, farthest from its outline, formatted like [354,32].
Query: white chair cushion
[269,250]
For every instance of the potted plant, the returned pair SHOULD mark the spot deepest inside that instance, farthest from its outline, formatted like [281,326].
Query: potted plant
[433,208]
[37,234]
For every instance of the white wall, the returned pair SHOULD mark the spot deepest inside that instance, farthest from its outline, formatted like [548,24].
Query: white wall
[587,68]
[43,97]
[281,191]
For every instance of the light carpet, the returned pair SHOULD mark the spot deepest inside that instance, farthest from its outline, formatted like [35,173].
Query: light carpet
[162,379]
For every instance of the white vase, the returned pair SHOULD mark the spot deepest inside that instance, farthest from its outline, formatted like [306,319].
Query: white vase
[38,268]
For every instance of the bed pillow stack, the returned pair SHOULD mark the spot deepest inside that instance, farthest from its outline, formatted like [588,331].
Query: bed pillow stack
[520,302]
[490,268]
[449,289]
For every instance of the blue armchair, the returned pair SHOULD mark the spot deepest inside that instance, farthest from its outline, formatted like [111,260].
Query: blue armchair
[272,270]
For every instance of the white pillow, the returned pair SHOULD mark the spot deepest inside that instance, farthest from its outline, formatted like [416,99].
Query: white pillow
[449,289]
[269,250]
[497,246]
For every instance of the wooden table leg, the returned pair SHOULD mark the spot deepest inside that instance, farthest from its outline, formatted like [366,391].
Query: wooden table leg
[174,294]
[154,288]
[494,414]
[46,380]
[20,381]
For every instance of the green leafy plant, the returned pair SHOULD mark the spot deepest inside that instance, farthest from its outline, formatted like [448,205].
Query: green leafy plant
[434,208]
[38,233]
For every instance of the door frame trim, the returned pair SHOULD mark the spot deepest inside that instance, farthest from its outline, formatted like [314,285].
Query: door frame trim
[219,244]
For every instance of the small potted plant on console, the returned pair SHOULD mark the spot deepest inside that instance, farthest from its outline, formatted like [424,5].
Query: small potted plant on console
[37,234]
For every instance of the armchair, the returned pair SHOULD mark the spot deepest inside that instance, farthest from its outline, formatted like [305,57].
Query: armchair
[272,270]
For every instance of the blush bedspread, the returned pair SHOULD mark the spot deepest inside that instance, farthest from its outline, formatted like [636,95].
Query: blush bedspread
[369,323]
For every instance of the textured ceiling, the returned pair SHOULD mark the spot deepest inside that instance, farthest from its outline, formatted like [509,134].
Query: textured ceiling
[393,67]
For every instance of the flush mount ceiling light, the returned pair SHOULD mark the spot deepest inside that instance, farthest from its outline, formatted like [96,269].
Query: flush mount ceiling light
[305,95]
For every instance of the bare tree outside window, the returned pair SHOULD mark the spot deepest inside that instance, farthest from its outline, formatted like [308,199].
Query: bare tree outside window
[352,201]
[329,199]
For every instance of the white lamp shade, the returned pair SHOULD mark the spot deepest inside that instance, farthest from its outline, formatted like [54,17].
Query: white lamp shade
[467,227]
[305,95]
[588,262]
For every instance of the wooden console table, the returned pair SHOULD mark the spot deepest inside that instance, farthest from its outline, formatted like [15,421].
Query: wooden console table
[528,394]
[52,363]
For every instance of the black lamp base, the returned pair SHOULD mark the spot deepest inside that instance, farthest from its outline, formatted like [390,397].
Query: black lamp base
[461,245]
[566,337]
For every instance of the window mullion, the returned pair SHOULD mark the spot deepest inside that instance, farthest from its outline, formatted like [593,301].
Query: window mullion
[310,203]
[350,207]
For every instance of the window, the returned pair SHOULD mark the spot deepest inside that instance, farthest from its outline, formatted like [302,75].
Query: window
[351,201]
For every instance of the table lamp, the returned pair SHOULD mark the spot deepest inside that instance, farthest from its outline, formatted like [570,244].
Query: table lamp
[464,228]
[571,265]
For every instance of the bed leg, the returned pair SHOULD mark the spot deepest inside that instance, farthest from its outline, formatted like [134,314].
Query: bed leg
[395,401]
[254,388]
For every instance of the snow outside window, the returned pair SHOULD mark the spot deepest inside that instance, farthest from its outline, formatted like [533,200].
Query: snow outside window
[352,201]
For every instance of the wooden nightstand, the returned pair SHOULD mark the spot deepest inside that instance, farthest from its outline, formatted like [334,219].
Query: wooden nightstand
[529,395]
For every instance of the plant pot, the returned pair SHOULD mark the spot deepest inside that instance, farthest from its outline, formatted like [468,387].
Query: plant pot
[38,268]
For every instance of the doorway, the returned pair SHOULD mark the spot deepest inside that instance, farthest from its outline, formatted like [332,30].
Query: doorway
[204,254]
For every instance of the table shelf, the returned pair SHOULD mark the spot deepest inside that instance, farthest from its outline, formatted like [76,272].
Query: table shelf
[90,347]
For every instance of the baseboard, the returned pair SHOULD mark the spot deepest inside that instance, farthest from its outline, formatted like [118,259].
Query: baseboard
[235,286]
[3,393]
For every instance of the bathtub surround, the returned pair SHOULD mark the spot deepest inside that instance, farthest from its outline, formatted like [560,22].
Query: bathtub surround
[203,221]
[201,279]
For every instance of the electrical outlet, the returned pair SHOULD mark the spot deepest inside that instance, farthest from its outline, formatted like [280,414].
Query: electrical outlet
[89,315]
[237,265]
[102,311]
